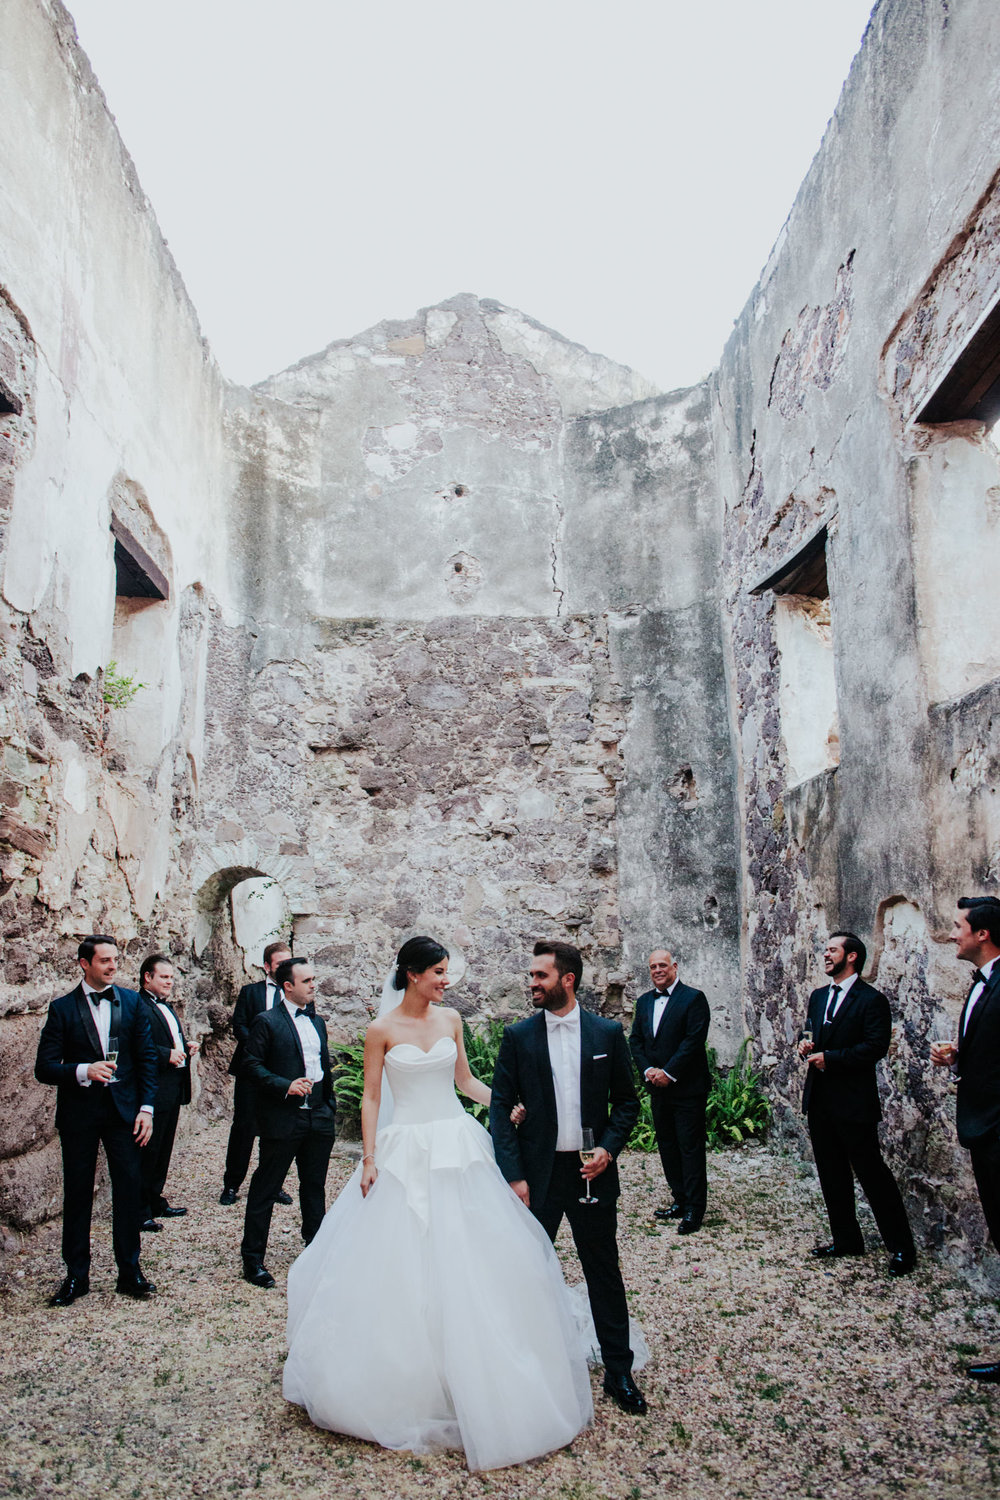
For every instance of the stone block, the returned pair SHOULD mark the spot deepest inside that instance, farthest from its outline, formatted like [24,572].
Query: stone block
[27,1108]
[29,840]
[31,1186]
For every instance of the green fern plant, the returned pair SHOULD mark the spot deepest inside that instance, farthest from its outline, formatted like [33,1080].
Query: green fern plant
[738,1110]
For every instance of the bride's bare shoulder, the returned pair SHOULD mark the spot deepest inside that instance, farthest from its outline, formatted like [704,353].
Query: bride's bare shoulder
[378,1031]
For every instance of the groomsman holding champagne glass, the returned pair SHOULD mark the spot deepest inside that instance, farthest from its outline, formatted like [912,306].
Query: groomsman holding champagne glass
[975,1056]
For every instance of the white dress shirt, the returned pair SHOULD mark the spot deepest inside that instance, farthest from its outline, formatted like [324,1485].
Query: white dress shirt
[660,1005]
[171,1020]
[309,1038]
[563,1034]
[975,994]
[101,1012]
[843,985]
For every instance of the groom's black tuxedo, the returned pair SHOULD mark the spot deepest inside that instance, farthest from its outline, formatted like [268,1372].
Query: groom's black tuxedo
[678,1109]
[99,1113]
[609,1107]
[843,1109]
[274,1058]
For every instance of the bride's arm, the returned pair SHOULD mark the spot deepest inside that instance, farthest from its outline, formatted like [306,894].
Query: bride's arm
[370,1100]
[465,1080]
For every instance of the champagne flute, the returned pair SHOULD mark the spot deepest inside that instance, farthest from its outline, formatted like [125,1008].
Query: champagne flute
[806,1034]
[587,1153]
[306,1099]
[112,1058]
[941,1031]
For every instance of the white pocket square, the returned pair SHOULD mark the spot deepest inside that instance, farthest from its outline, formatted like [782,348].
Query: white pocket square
[598,1055]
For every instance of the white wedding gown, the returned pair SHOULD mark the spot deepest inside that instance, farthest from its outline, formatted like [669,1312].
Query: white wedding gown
[433,1313]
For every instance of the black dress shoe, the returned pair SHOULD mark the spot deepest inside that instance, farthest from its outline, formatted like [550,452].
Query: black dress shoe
[901,1262]
[832,1252]
[150,1226]
[227,1196]
[257,1275]
[689,1224]
[623,1390]
[72,1287]
[282,1197]
[166,1212]
[984,1372]
[673,1212]
[135,1285]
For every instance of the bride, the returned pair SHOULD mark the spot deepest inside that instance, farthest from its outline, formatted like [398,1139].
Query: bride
[430,1310]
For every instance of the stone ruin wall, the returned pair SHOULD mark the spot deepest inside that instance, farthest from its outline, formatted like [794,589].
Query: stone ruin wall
[857,316]
[461,630]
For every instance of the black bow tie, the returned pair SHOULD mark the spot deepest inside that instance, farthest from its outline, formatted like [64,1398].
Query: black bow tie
[306,1010]
[96,995]
[978,977]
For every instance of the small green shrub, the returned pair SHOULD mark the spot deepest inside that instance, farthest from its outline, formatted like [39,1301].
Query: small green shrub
[118,690]
[481,1048]
[738,1109]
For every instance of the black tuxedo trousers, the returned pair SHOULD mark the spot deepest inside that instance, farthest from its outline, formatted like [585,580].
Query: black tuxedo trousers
[595,1235]
[100,1124]
[308,1144]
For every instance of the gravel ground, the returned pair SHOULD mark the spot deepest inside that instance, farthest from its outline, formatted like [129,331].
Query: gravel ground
[771,1375]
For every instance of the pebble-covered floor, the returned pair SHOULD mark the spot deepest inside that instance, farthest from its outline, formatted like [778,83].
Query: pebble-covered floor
[772,1375]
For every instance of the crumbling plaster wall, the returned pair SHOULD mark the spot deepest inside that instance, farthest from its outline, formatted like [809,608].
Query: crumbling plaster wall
[812,426]
[473,595]
[116,408]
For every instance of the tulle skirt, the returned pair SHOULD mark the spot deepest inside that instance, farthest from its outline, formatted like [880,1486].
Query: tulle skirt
[433,1313]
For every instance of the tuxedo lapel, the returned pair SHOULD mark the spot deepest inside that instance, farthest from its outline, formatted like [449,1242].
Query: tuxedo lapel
[87,1021]
[283,1008]
[540,1047]
[586,1062]
[986,999]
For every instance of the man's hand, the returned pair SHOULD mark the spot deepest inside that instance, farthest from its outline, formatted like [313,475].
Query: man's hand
[101,1072]
[657,1078]
[817,1060]
[521,1189]
[300,1087]
[805,1047]
[193,1047]
[944,1054]
[143,1127]
[599,1162]
[177,1057]
[518,1114]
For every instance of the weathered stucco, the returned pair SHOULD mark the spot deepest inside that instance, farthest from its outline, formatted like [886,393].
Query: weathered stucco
[469,629]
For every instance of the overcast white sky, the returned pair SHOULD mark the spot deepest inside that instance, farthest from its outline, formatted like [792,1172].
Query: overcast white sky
[619,171]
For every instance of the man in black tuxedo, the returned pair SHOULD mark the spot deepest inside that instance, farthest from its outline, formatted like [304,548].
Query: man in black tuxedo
[173,1089]
[668,1044]
[571,1070]
[252,999]
[848,1030]
[96,1048]
[288,1059]
[976,1055]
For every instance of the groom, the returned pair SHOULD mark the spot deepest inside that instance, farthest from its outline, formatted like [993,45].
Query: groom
[571,1070]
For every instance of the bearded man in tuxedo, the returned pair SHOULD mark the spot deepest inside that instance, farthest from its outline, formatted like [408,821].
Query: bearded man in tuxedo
[173,1054]
[849,1028]
[668,1043]
[96,1049]
[571,1071]
[976,1058]
[251,1001]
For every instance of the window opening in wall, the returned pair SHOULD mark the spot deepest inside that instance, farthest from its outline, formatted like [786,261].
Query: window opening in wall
[803,629]
[970,391]
[10,405]
[137,576]
[955,515]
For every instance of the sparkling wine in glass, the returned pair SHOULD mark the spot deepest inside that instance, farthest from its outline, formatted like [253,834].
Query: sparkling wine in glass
[306,1099]
[112,1057]
[807,1032]
[587,1153]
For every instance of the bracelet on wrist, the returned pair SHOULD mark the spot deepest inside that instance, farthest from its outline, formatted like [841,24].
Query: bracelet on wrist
[367,1158]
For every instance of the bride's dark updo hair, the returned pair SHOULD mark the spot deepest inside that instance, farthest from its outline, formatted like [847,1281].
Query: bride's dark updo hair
[416,955]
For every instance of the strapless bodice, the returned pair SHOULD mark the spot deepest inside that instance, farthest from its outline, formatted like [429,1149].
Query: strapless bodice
[423,1083]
